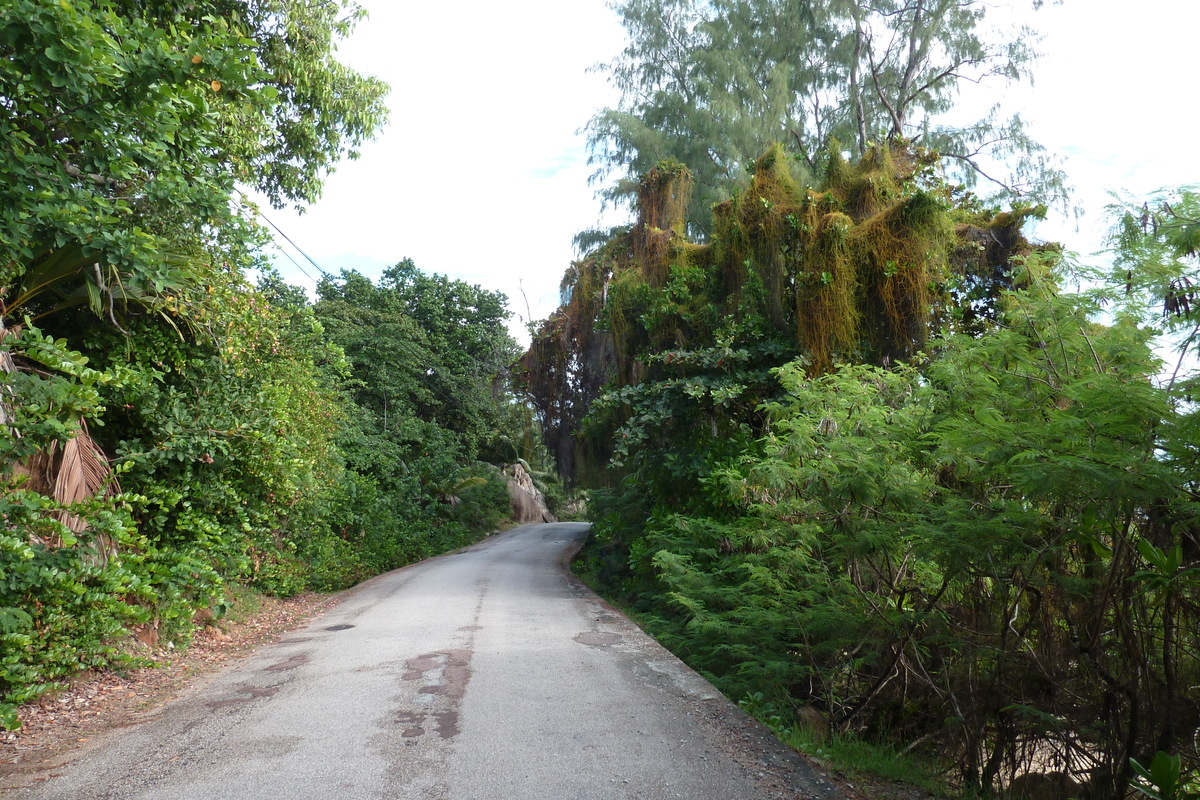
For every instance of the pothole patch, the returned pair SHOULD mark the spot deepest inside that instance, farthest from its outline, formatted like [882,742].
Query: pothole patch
[597,638]
[298,660]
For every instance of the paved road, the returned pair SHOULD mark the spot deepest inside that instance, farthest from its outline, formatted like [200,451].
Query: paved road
[489,674]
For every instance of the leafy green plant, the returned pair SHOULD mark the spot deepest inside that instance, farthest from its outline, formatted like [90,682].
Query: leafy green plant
[1164,779]
[963,552]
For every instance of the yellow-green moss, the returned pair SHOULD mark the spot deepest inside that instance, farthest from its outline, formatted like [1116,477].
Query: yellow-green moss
[827,315]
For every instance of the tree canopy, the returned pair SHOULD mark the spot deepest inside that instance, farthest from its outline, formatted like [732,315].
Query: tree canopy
[711,84]
[193,432]
[126,126]
[426,351]
[862,267]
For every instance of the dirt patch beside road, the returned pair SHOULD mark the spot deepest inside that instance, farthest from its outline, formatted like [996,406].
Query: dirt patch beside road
[95,702]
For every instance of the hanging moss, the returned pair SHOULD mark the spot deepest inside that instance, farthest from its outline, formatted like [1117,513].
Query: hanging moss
[681,312]
[752,234]
[861,268]
[629,298]
[773,197]
[662,205]
[838,173]
[902,252]
[663,197]
[827,315]
[730,255]
[873,186]
[923,214]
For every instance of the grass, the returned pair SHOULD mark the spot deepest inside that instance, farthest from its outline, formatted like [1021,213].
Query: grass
[857,758]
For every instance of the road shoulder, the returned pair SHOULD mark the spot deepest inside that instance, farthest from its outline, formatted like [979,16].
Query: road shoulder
[59,725]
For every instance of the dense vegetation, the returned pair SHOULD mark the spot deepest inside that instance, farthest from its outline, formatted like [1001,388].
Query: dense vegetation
[168,427]
[857,464]
[859,451]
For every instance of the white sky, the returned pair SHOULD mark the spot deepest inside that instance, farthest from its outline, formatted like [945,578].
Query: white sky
[481,174]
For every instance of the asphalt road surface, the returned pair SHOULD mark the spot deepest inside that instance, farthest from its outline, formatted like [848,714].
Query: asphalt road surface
[488,674]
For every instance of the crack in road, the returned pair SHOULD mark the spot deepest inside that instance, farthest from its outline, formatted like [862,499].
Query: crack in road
[494,674]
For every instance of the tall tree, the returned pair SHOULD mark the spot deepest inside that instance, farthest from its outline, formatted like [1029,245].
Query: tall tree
[711,83]
[428,351]
[125,125]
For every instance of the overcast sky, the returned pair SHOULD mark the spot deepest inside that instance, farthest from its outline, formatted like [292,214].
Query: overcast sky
[482,173]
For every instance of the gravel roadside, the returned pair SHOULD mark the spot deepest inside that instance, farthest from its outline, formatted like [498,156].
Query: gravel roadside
[61,722]
[95,702]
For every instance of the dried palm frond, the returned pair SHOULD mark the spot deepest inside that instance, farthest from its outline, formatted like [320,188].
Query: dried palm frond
[71,472]
[7,367]
[83,470]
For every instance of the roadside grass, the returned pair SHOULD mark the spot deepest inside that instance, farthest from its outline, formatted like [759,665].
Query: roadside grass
[241,602]
[858,758]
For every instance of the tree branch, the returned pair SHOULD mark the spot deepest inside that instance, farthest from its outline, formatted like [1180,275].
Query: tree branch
[92,177]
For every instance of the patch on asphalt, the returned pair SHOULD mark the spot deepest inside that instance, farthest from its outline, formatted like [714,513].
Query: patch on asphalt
[449,668]
[444,674]
[597,638]
[298,660]
[251,692]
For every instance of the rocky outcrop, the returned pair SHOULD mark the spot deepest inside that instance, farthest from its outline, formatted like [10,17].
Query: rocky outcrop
[528,504]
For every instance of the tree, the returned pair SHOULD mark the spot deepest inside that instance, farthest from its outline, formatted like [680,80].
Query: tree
[865,267]
[125,126]
[427,350]
[711,84]
[1157,246]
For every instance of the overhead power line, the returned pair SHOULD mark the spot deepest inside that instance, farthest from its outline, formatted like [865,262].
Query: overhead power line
[481,366]
[299,250]
[303,271]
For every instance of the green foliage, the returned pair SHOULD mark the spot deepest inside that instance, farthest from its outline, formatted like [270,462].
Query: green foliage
[126,125]
[1164,779]
[684,335]
[231,443]
[76,599]
[183,434]
[1155,244]
[711,83]
[992,551]
[424,348]
[65,596]
[426,362]
[482,500]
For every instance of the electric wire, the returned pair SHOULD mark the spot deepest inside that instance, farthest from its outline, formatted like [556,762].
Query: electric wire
[299,250]
[481,366]
[297,264]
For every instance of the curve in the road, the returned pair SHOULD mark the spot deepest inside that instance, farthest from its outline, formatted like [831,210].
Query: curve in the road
[487,674]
